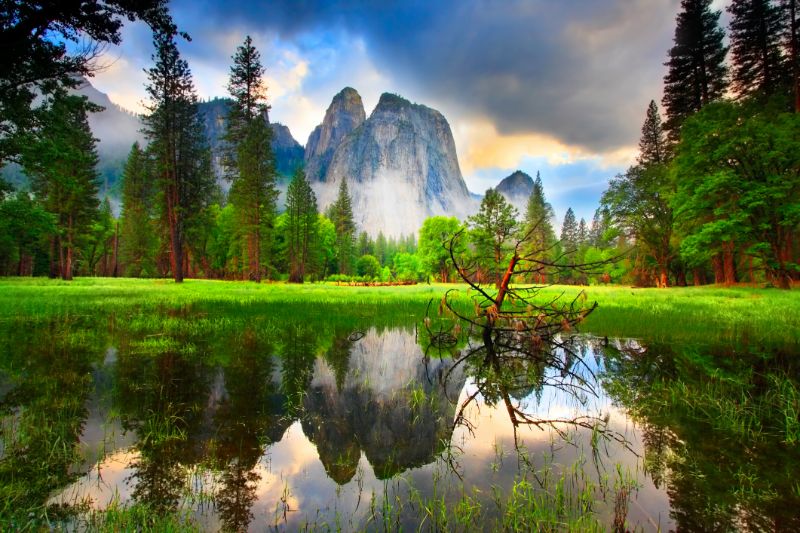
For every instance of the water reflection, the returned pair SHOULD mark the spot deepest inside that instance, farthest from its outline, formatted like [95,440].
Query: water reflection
[258,422]
[391,404]
[720,431]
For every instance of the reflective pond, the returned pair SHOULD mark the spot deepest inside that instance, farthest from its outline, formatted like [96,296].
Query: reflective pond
[297,417]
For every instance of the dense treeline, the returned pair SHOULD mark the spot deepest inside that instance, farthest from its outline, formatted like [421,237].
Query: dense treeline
[714,195]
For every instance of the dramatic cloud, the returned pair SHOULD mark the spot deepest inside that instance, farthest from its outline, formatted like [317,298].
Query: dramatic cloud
[581,71]
[522,82]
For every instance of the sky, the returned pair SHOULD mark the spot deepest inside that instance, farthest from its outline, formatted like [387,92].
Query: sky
[558,87]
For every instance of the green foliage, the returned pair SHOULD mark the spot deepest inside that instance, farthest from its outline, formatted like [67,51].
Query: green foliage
[181,157]
[100,242]
[25,228]
[537,228]
[368,266]
[637,203]
[61,160]
[492,230]
[137,234]
[738,175]
[341,214]
[756,30]
[249,160]
[326,245]
[301,227]
[407,267]
[433,251]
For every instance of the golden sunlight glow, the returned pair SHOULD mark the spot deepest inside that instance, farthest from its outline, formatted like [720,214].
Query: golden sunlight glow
[480,145]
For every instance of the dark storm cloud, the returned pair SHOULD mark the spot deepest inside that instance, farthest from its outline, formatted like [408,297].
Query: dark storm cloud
[582,71]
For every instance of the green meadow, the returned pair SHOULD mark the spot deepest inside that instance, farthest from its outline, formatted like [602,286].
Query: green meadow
[691,314]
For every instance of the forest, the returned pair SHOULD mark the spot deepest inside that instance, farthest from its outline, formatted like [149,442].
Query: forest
[713,197]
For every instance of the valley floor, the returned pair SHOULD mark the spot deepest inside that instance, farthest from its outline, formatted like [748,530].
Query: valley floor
[695,314]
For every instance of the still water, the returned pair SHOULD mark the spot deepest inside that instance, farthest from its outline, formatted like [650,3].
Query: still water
[321,418]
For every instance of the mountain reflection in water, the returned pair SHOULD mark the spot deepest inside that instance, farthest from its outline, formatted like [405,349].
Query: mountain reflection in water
[247,425]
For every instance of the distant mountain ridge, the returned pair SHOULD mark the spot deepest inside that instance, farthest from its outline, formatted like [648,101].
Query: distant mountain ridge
[400,162]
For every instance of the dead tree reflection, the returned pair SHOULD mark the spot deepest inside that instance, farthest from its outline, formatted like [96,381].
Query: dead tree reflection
[514,340]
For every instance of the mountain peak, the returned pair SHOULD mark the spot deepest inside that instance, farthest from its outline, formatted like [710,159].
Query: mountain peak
[516,188]
[344,114]
[391,100]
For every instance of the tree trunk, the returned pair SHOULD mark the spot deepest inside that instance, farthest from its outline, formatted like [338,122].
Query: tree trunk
[697,277]
[719,272]
[176,246]
[55,264]
[729,264]
[20,262]
[61,261]
[115,260]
[663,278]
[67,276]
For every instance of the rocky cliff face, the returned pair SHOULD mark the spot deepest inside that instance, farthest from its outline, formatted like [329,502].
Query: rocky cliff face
[401,167]
[516,188]
[288,152]
[345,114]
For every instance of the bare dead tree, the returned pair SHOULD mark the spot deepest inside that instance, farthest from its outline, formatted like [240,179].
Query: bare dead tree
[513,336]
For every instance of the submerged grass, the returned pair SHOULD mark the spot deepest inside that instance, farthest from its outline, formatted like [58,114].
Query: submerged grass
[692,314]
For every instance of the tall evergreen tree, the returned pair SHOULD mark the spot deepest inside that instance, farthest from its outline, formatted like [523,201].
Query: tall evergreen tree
[569,231]
[492,230]
[341,214]
[756,30]
[249,160]
[537,228]
[137,235]
[583,233]
[599,227]
[652,145]
[697,73]
[791,43]
[61,161]
[182,160]
[301,226]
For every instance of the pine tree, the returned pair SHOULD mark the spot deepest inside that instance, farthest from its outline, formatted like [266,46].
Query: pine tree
[61,161]
[249,160]
[652,145]
[569,231]
[100,241]
[137,235]
[537,228]
[182,160]
[583,233]
[492,229]
[301,226]
[791,44]
[341,214]
[755,32]
[697,74]
[600,224]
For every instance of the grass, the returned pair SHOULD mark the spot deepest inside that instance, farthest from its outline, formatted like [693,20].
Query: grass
[691,314]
